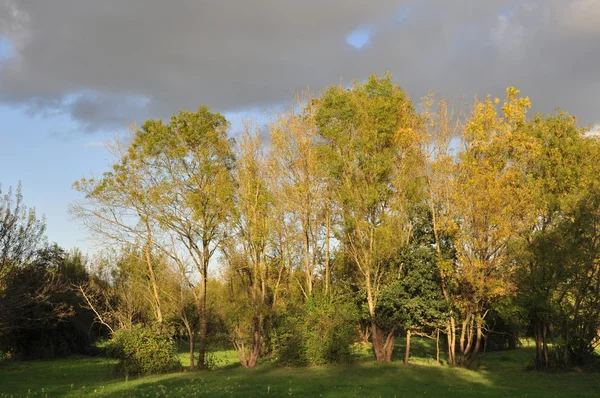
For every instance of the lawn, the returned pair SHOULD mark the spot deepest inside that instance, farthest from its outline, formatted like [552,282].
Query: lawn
[499,374]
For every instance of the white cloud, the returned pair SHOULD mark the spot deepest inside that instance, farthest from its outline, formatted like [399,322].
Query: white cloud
[107,63]
[594,131]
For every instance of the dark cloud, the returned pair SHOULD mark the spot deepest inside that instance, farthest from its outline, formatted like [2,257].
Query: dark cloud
[106,63]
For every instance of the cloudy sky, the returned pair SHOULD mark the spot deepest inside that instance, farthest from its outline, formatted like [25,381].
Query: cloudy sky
[74,73]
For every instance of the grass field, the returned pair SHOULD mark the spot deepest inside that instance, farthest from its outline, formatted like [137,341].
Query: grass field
[499,374]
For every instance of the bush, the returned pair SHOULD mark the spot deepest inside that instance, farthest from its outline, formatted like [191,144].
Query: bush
[330,331]
[288,341]
[143,350]
[320,333]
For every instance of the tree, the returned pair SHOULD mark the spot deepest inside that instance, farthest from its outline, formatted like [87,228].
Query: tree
[118,292]
[169,196]
[414,302]
[491,203]
[188,164]
[21,232]
[247,251]
[370,139]
[117,209]
[41,315]
[299,177]
[442,124]
[561,175]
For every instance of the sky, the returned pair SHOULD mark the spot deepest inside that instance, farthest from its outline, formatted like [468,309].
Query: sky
[74,74]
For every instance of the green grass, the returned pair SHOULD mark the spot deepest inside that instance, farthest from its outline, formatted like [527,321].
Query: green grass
[500,374]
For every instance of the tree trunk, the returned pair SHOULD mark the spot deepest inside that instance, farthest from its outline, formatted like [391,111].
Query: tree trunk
[389,347]
[382,349]
[479,334]
[202,335]
[567,342]
[190,333]
[437,347]
[307,267]
[157,305]
[451,335]
[407,352]
[541,346]
[328,232]
[249,359]
[461,342]
[203,321]
[364,334]
[545,345]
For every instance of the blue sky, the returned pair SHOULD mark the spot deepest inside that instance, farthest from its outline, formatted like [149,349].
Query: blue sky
[47,157]
[73,74]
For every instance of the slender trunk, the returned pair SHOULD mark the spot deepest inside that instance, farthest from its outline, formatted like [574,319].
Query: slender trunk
[307,268]
[538,344]
[470,332]
[389,346]
[407,352]
[203,314]
[364,334]
[453,347]
[202,334]
[437,347]
[328,232]
[567,342]
[479,335]
[545,345]
[157,306]
[451,336]
[190,333]
[463,333]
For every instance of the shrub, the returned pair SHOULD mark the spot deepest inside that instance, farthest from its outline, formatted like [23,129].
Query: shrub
[288,341]
[144,350]
[322,332]
[330,331]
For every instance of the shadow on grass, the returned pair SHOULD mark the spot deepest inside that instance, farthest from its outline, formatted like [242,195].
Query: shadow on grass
[328,381]
[363,380]
[502,375]
[56,377]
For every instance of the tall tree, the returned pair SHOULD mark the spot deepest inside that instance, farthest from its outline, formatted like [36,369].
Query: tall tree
[491,202]
[300,180]
[442,127]
[249,266]
[171,194]
[188,163]
[117,209]
[369,132]
[21,232]
[563,173]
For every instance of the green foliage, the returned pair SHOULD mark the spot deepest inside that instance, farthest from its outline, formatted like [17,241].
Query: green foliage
[144,350]
[21,232]
[42,316]
[330,330]
[370,139]
[481,228]
[558,291]
[414,300]
[321,332]
[288,340]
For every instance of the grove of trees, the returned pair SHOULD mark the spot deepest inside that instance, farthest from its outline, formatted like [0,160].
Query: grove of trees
[354,215]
